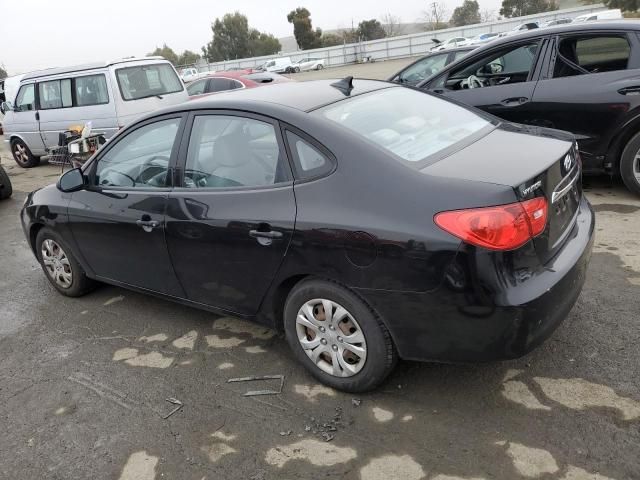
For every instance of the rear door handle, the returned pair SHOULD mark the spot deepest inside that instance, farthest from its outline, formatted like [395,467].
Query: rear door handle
[147,224]
[260,234]
[514,101]
[634,90]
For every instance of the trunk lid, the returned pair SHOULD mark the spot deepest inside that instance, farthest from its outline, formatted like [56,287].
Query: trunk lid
[535,163]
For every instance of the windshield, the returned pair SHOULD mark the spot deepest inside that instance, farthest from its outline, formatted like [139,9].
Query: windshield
[410,124]
[147,81]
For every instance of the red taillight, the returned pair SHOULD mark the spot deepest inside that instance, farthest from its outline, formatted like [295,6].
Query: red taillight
[503,227]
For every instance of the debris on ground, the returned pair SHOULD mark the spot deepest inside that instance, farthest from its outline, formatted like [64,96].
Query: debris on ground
[285,434]
[253,393]
[326,429]
[176,402]
[356,402]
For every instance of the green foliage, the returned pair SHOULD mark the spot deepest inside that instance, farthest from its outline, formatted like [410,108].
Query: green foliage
[466,14]
[233,39]
[3,73]
[624,5]
[518,8]
[306,36]
[331,40]
[166,52]
[188,58]
[371,30]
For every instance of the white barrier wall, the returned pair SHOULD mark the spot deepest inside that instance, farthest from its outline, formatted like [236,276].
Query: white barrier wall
[401,46]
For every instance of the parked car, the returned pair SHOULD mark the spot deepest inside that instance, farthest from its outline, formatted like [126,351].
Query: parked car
[614,14]
[225,81]
[447,44]
[557,21]
[308,63]
[483,38]
[5,184]
[367,220]
[582,77]
[189,74]
[278,65]
[428,65]
[523,27]
[110,95]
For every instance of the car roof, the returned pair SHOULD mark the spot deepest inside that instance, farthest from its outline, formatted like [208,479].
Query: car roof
[303,96]
[571,28]
[87,66]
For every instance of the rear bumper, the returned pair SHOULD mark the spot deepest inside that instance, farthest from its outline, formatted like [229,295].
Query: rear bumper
[486,309]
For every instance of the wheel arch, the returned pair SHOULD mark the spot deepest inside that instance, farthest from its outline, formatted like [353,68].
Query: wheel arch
[619,142]
[33,234]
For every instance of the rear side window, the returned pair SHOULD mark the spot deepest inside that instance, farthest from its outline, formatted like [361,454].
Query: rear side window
[309,162]
[91,90]
[224,84]
[406,123]
[583,55]
[55,94]
[147,81]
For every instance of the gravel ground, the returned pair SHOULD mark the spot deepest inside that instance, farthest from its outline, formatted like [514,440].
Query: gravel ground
[84,383]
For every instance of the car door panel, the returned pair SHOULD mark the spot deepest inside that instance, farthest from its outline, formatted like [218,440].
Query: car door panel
[226,237]
[25,119]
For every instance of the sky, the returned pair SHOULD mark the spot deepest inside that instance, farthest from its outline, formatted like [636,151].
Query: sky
[36,34]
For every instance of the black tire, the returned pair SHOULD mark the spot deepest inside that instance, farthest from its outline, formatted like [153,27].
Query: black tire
[5,184]
[629,166]
[296,70]
[22,155]
[319,67]
[381,355]
[80,284]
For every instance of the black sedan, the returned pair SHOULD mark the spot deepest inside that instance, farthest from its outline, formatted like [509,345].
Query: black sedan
[366,220]
[429,65]
[583,78]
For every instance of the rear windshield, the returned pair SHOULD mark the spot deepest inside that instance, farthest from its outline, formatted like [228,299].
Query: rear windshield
[410,124]
[147,81]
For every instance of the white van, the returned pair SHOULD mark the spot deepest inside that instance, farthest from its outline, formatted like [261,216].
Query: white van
[278,65]
[110,95]
[614,14]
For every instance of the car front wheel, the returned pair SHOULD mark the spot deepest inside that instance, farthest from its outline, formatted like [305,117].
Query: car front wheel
[630,164]
[337,337]
[60,265]
[22,155]
[319,67]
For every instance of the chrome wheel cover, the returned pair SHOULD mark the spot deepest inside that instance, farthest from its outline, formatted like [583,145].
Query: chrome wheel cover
[56,263]
[636,167]
[20,153]
[331,337]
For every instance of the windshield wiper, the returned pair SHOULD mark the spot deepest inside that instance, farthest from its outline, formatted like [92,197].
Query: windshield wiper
[159,96]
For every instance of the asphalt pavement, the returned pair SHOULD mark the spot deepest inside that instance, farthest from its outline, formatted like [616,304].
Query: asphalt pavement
[84,383]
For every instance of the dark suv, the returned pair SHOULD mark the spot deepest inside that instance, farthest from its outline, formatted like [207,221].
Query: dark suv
[584,78]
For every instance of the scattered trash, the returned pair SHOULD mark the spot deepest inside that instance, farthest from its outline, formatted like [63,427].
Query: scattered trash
[307,428]
[356,402]
[285,434]
[327,437]
[253,393]
[30,442]
[176,402]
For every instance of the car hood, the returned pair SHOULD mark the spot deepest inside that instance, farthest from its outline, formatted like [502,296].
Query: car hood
[509,155]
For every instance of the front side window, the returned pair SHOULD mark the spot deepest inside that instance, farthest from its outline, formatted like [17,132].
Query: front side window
[26,98]
[500,67]
[91,90]
[423,69]
[147,81]
[197,88]
[55,94]
[596,54]
[229,151]
[407,123]
[140,159]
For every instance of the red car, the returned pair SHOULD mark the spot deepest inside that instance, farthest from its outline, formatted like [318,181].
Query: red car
[231,80]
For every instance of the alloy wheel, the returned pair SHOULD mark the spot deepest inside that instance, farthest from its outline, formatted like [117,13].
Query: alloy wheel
[636,167]
[331,337]
[56,263]
[20,153]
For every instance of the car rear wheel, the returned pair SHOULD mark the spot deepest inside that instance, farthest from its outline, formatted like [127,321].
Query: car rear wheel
[630,164]
[319,67]
[337,337]
[22,155]
[60,265]
[5,184]
[296,70]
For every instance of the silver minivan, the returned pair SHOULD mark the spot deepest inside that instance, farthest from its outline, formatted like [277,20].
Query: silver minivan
[110,95]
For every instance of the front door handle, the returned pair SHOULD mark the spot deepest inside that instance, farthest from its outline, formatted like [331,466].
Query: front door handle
[514,101]
[260,234]
[634,90]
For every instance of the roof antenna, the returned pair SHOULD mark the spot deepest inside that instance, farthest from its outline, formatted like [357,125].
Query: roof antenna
[345,85]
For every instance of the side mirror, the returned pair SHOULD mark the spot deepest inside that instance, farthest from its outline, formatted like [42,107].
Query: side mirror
[5,107]
[71,181]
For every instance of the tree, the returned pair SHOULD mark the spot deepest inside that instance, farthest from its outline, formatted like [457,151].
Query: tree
[392,25]
[331,40]
[233,39]
[466,14]
[435,16]
[3,73]
[188,58]
[624,5]
[487,15]
[166,52]
[371,30]
[519,8]
[306,36]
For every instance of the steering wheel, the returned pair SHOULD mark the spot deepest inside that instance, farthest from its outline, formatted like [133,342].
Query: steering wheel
[473,82]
